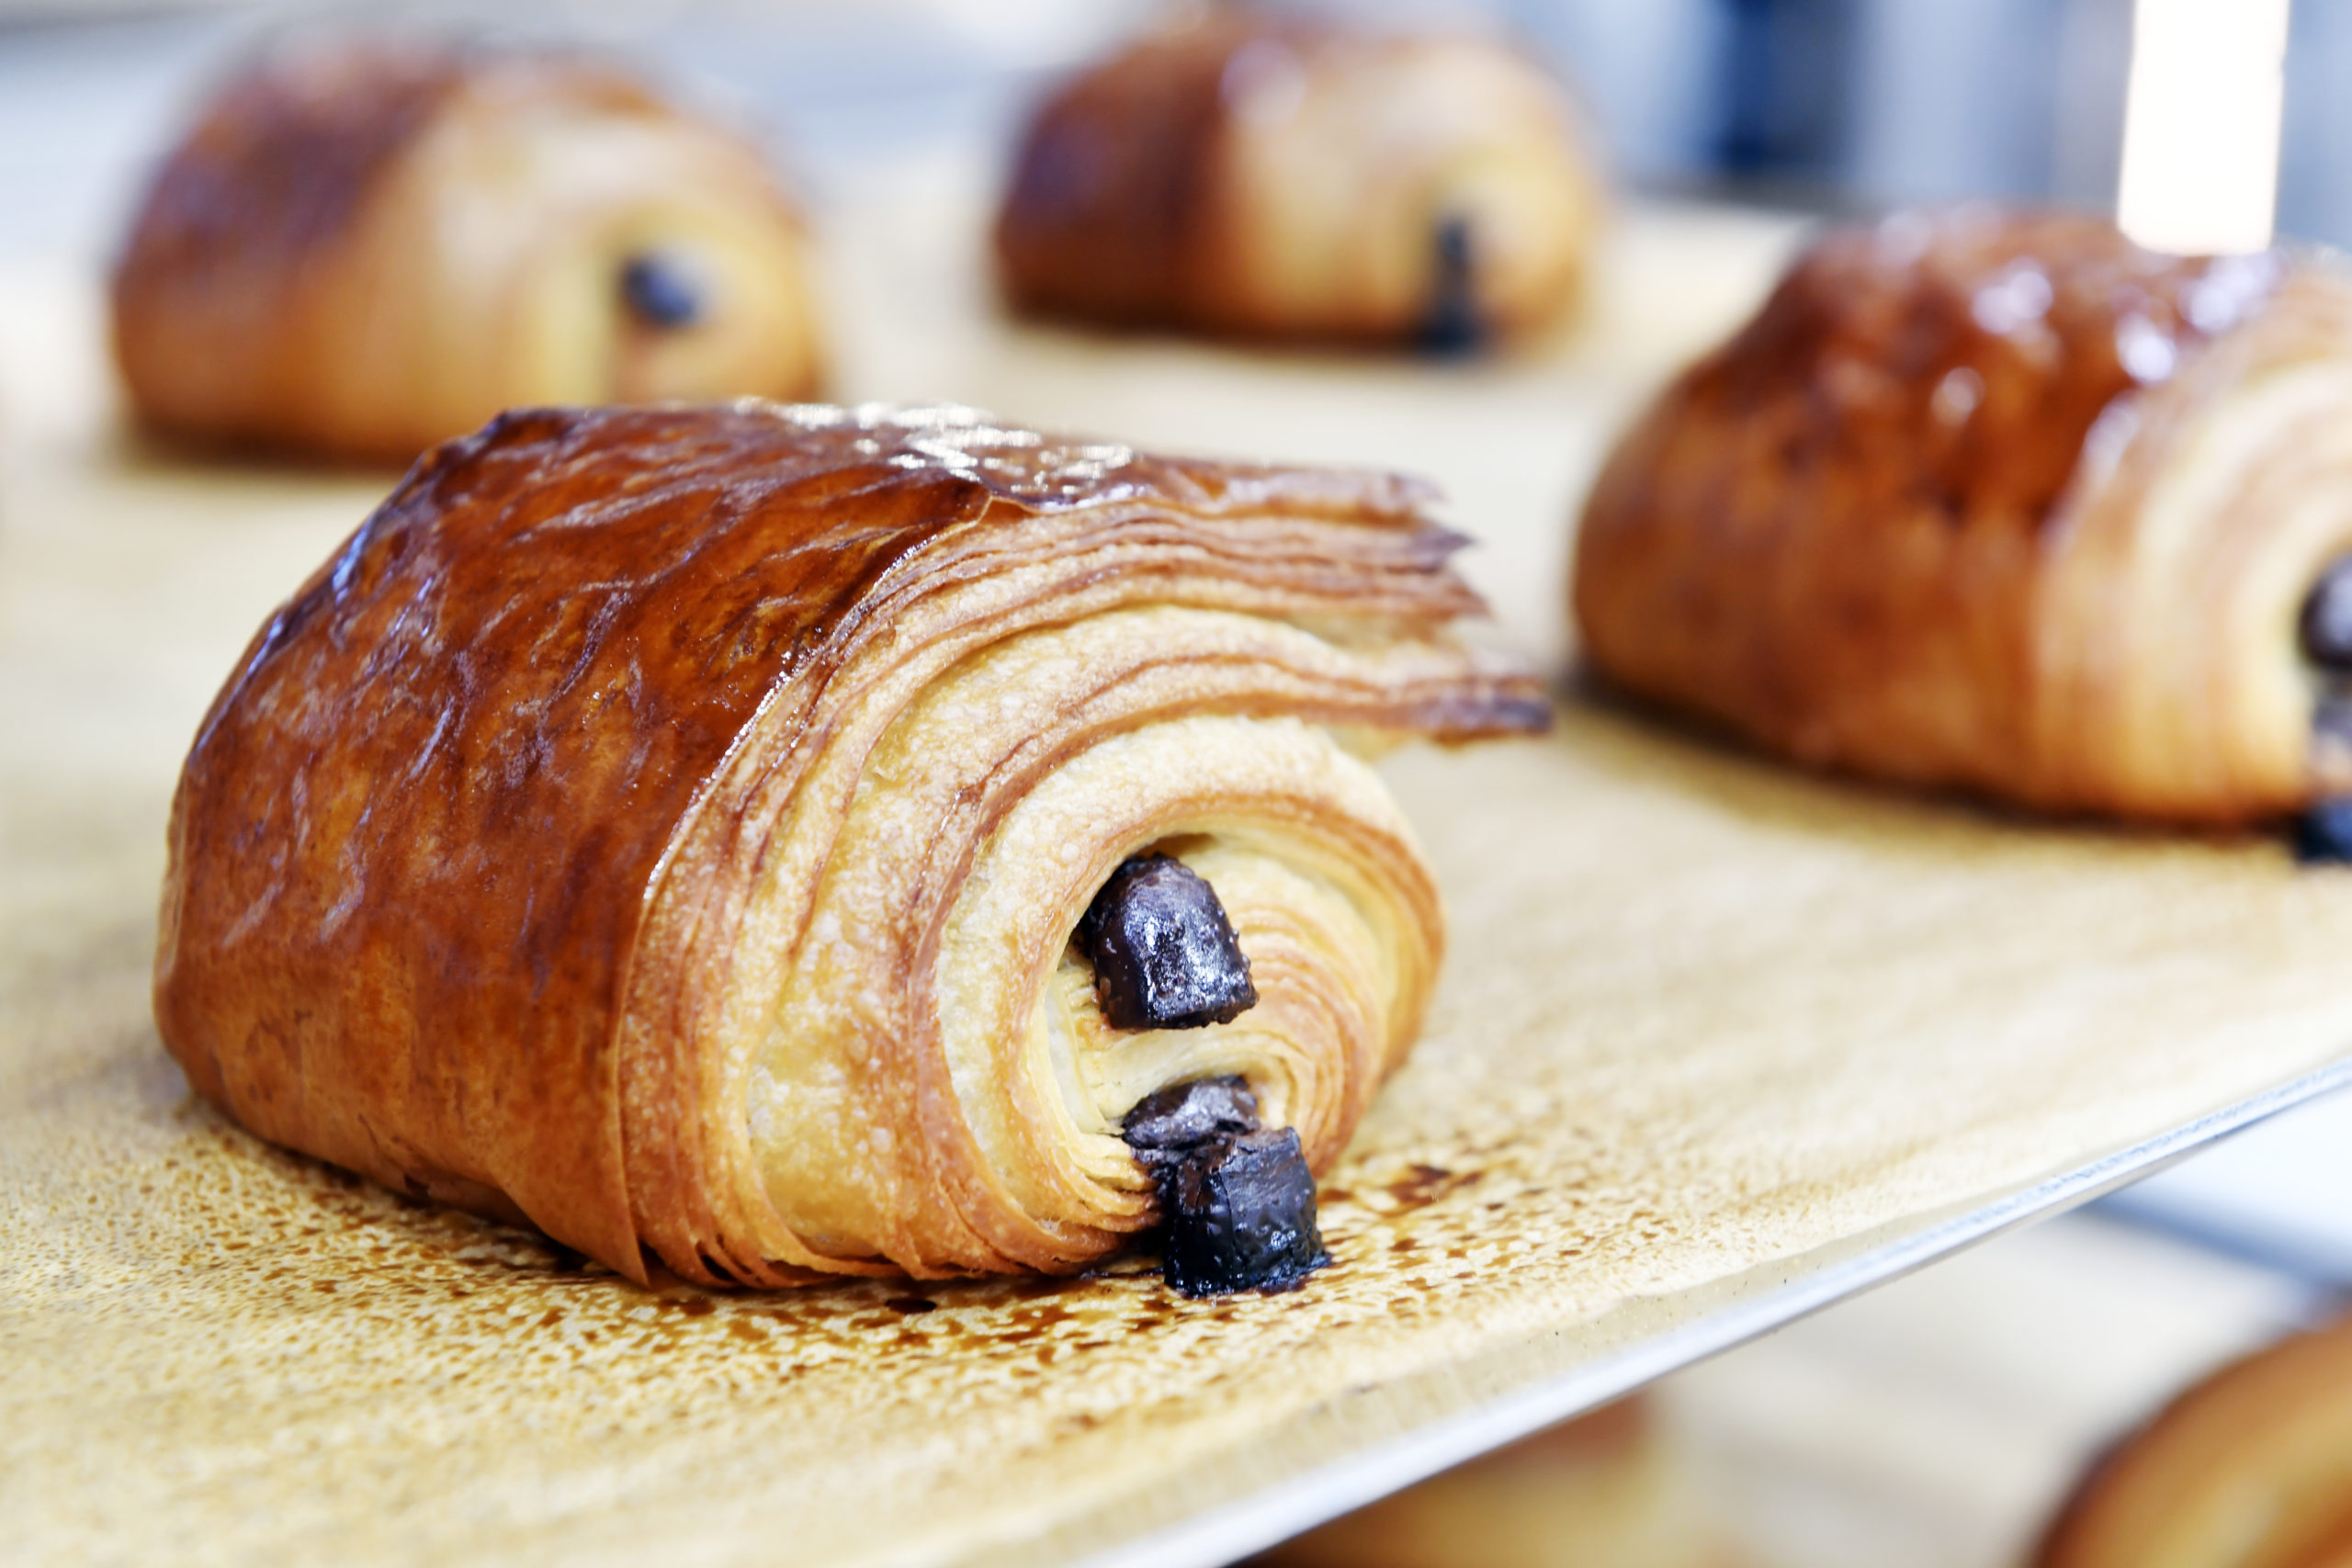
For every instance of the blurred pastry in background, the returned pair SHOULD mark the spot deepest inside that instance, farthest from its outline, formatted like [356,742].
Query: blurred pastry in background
[1608,1490]
[363,248]
[2004,502]
[1273,178]
[2252,1468]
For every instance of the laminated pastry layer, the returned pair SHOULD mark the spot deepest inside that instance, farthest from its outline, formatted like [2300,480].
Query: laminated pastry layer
[363,249]
[1290,179]
[628,785]
[1997,501]
[935,1027]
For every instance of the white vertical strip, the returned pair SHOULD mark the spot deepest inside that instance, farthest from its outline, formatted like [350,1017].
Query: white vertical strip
[2201,124]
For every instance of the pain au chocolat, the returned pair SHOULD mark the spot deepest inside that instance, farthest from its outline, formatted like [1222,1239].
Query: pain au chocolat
[2252,1468]
[1288,178]
[2008,504]
[363,248]
[786,841]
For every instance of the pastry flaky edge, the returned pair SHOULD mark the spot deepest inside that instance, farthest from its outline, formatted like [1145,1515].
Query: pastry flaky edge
[667,826]
[1284,178]
[2252,1468]
[364,246]
[2000,502]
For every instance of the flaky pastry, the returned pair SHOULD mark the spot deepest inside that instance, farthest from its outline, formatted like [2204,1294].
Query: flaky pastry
[2004,502]
[676,827]
[361,249]
[1296,179]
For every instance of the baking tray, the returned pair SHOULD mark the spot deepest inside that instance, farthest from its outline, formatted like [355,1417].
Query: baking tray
[1718,1044]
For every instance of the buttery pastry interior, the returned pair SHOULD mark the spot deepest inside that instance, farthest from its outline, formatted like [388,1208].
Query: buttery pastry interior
[2003,501]
[670,825]
[1286,178]
[361,249]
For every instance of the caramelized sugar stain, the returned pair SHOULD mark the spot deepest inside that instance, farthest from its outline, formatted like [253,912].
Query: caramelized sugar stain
[1418,1228]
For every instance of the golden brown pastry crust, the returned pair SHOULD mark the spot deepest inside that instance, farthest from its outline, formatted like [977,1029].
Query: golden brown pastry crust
[495,868]
[311,268]
[2250,1468]
[1999,501]
[1274,177]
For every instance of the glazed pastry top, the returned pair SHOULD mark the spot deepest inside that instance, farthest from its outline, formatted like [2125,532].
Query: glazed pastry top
[1957,363]
[681,565]
[678,565]
[287,153]
[1284,177]
[1999,501]
[1119,172]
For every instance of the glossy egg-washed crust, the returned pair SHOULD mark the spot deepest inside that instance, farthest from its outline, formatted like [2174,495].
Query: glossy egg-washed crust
[461,857]
[1110,187]
[1129,203]
[267,295]
[2252,1468]
[1997,501]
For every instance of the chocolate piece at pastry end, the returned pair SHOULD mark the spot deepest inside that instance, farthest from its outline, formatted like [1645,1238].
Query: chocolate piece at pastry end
[1165,1127]
[1242,1217]
[1453,325]
[2324,833]
[2325,628]
[662,291]
[1165,955]
[2331,731]
[1237,1202]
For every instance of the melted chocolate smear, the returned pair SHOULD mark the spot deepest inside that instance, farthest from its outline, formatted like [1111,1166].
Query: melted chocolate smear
[661,291]
[1164,953]
[1453,326]
[1239,1203]
[2323,834]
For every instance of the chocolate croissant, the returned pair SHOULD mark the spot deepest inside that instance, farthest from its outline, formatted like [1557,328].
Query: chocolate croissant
[2009,504]
[1292,179]
[2250,1468]
[363,249]
[791,841]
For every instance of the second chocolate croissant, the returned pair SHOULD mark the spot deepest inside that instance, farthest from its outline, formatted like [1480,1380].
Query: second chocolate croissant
[2009,504]
[1289,178]
[361,249]
[676,827]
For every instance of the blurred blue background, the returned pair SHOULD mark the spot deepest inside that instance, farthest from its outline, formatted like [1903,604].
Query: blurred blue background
[1821,104]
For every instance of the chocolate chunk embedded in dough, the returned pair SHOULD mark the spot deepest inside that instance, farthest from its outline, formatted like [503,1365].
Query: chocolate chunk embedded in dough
[1237,1202]
[1164,953]
[2325,626]
[661,291]
[2324,833]
[1452,324]
[1166,1127]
